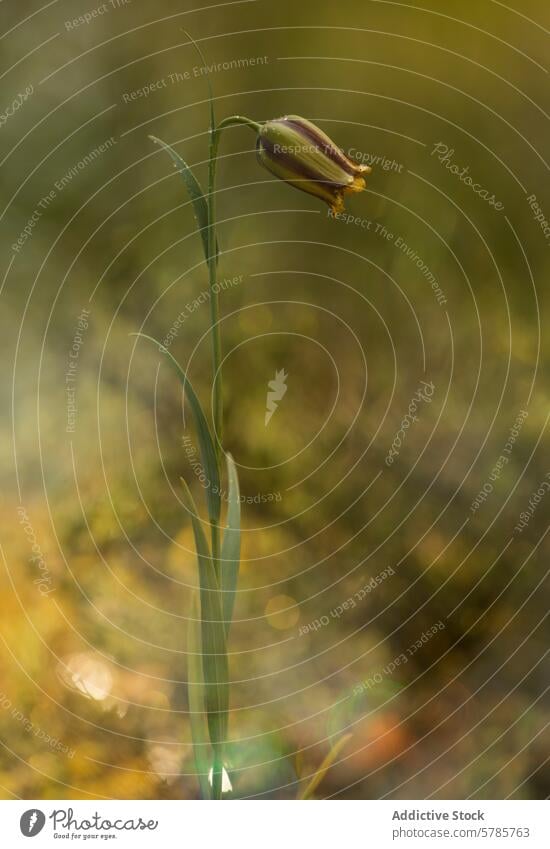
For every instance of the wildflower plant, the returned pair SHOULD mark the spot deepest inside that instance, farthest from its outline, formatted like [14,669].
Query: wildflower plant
[299,153]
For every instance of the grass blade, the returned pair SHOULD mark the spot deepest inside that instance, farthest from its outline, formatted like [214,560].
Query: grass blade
[207,75]
[206,444]
[195,692]
[231,545]
[194,190]
[310,789]
[214,653]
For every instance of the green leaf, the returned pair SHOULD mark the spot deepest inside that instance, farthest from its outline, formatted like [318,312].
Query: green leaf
[206,444]
[214,652]
[231,545]
[207,75]
[318,776]
[198,198]
[195,692]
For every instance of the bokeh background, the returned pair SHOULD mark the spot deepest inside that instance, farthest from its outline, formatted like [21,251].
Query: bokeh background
[439,671]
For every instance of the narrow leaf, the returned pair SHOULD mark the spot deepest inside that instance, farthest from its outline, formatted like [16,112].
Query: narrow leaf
[206,444]
[208,83]
[231,545]
[214,653]
[195,692]
[198,198]
[212,146]
[324,768]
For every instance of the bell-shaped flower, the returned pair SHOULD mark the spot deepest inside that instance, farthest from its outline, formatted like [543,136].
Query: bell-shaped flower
[298,152]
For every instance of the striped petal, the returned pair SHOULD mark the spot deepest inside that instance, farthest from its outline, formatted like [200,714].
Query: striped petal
[298,152]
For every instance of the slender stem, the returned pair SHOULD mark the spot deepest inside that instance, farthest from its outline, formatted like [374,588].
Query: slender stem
[215,134]
[238,119]
[214,297]
[217,387]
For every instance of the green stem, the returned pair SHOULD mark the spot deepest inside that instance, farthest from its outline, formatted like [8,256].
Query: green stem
[233,120]
[214,300]
[217,389]
[215,134]
[217,386]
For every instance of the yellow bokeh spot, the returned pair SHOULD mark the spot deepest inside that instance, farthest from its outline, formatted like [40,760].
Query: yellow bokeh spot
[282,612]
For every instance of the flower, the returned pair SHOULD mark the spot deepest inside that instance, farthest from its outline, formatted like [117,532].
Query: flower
[298,152]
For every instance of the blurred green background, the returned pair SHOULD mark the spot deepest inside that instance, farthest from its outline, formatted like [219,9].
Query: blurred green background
[97,551]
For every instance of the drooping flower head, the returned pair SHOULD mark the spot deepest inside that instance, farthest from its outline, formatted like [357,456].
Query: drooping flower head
[298,152]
